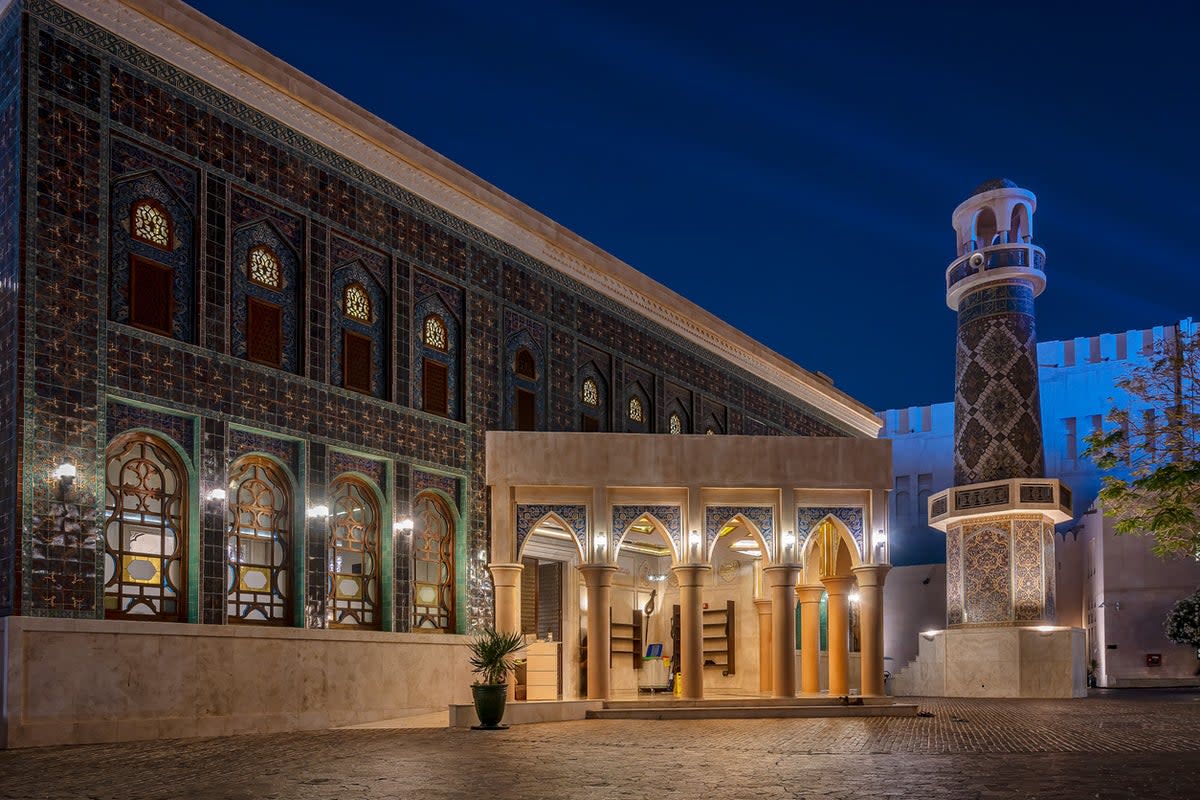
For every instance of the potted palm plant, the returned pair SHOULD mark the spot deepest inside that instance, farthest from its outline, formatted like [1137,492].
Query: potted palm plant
[492,658]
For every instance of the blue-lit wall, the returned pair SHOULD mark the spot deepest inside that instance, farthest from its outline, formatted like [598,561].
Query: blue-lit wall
[1077,378]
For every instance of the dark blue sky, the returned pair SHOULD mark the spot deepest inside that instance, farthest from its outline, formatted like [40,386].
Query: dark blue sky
[793,170]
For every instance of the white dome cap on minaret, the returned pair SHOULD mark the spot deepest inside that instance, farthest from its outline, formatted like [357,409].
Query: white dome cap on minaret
[997,212]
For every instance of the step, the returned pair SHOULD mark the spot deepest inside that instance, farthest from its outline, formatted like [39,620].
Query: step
[745,702]
[757,712]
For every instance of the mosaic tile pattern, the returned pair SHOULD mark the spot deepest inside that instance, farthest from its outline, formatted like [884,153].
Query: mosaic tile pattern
[286,297]
[807,519]
[376,331]
[762,517]
[120,417]
[10,270]
[671,518]
[523,334]
[446,484]
[954,584]
[242,442]
[339,462]
[997,412]
[1028,600]
[986,565]
[528,517]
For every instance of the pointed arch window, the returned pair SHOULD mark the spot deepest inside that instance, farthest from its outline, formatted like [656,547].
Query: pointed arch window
[356,303]
[145,530]
[591,393]
[637,411]
[524,365]
[675,423]
[149,222]
[434,333]
[352,556]
[433,565]
[259,543]
[263,267]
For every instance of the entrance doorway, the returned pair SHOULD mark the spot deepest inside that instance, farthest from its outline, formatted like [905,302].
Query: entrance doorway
[550,585]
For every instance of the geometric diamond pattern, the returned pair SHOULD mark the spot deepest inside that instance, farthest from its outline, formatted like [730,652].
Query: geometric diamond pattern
[997,407]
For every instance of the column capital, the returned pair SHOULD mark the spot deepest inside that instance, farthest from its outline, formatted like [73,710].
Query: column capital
[506,574]
[870,575]
[598,575]
[810,594]
[781,574]
[690,574]
[836,586]
[763,605]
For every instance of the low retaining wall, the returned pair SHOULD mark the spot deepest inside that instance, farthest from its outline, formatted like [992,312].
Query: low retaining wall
[67,681]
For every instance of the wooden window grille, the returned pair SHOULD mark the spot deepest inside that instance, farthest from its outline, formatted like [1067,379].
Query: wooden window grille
[263,267]
[637,411]
[356,303]
[356,362]
[352,555]
[151,296]
[150,223]
[264,332]
[435,388]
[675,424]
[591,393]
[434,333]
[433,565]
[145,530]
[259,543]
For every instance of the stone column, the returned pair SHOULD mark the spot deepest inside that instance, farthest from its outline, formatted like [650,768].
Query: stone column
[810,631]
[782,580]
[870,607]
[691,628]
[598,578]
[507,581]
[839,634]
[764,644]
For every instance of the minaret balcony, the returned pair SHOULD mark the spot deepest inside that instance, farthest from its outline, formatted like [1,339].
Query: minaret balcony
[1046,496]
[994,263]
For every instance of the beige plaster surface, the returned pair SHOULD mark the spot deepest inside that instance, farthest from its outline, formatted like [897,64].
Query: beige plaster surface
[78,681]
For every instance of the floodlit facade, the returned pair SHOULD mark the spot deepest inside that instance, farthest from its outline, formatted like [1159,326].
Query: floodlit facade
[254,344]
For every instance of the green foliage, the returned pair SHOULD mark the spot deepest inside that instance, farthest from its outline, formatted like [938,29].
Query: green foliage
[1183,623]
[492,655]
[1152,443]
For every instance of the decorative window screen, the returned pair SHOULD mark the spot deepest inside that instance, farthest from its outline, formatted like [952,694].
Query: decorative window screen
[356,303]
[264,267]
[352,582]
[258,543]
[150,223]
[435,332]
[433,565]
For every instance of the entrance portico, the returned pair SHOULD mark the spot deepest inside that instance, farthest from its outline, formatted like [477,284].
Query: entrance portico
[696,543]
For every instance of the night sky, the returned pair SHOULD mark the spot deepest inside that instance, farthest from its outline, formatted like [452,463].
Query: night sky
[793,170]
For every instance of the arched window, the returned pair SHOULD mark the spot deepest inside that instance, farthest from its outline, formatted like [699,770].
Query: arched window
[356,303]
[985,228]
[352,585]
[433,565]
[435,332]
[259,543]
[149,222]
[524,365]
[145,530]
[263,268]
[675,423]
[709,431]
[591,393]
[637,412]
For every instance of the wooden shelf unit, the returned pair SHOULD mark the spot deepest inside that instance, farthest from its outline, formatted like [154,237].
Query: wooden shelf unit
[720,644]
[626,638]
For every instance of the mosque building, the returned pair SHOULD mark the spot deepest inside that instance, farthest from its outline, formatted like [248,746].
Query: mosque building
[291,404]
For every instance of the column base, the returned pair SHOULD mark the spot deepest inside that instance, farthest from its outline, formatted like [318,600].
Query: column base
[997,662]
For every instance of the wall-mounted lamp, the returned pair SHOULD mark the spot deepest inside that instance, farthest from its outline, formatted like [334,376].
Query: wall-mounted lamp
[789,545]
[854,597]
[694,544]
[928,635]
[317,512]
[880,538]
[215,495]
[65,475]
[601,542]
[403,526]
[1115,605]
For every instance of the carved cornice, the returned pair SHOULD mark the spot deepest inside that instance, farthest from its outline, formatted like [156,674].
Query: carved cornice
[191,42]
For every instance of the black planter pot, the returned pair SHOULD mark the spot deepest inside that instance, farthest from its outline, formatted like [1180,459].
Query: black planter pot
[489,705]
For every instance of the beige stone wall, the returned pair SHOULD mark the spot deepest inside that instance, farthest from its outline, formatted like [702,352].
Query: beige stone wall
[148,680]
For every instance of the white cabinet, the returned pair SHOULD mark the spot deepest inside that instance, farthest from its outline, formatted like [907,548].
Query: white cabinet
[541,671]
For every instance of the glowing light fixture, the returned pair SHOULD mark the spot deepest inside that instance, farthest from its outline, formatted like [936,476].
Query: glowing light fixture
[215,495]
[318,511]
[403,526]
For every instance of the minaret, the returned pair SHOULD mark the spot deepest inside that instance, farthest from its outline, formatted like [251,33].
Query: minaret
[999,517]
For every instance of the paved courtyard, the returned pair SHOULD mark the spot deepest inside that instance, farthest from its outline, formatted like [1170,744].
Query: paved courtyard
[1112,745]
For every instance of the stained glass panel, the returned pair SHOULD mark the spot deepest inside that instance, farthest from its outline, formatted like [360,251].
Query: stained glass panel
[435,332]
[258,543]
[151,224]
[352,555]
[264,267]
[433,565]
[145,530]
[637,412]
[591,392]
[356,303]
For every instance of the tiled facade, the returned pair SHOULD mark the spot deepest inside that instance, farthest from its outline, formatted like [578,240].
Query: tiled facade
[1000,571]
[106,123]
